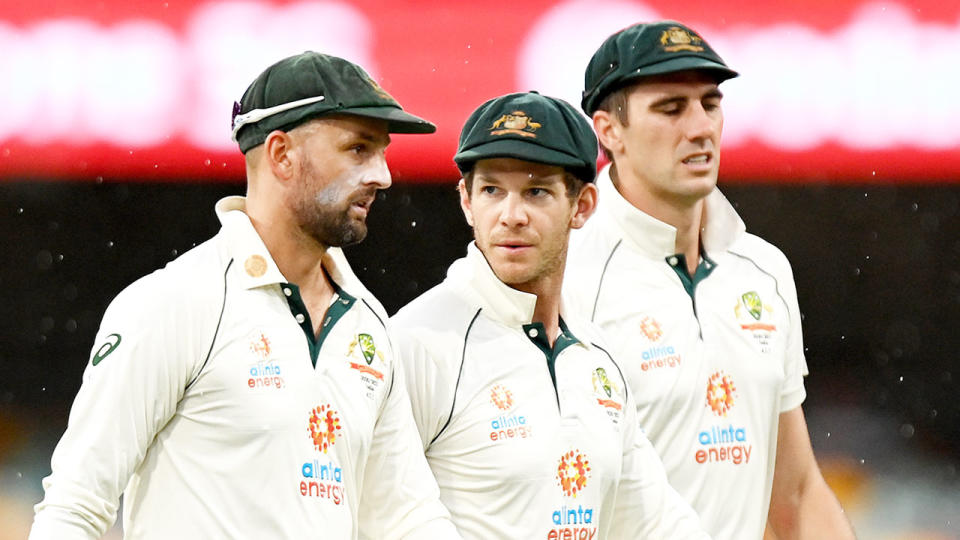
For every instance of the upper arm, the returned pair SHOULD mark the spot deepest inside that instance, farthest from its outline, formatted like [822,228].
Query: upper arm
[141,361]
[400,498]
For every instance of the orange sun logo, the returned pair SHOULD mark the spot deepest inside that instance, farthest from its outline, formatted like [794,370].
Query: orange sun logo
[324,427]
[572,472]
[501,397]
[720,393]
[651,328]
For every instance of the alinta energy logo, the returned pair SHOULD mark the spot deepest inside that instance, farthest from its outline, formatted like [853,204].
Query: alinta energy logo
[323,480]
[657,356]
[265,373]
[506,426]
[573,473]
[720,443]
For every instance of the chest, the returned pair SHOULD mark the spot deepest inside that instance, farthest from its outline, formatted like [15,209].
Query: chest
[695,349]
[515,413]
[259,376]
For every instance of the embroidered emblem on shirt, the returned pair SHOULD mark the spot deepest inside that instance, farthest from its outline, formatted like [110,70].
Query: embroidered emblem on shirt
[113,341]
[722,443]
[501,397]
[255,265]
[650,328]
[324,427]
[755,316]
[573,471]
[261,347]
[720,393]
[369,352]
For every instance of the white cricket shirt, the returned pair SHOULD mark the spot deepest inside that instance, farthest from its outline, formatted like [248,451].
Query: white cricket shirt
[712,360]
[528,441]
[210,404]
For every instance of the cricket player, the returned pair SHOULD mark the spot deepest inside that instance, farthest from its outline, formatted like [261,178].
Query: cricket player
[248,389]
[703,314]
[525,418]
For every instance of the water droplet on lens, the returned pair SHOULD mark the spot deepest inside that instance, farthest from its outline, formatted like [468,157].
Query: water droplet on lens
[906,431]
[206,162]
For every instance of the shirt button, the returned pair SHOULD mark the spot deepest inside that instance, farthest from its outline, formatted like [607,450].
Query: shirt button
[287,291]
[533,332]
[300,318]
[673,261]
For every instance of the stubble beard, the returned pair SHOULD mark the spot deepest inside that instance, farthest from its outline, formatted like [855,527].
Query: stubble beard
[325,217]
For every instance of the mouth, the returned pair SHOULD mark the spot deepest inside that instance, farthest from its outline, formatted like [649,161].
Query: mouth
[698,159]
[363,204]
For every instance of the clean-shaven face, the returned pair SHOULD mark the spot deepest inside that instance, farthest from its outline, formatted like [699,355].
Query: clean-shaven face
[672,139]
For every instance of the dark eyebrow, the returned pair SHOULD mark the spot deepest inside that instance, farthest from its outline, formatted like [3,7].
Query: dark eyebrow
[713,93]
[667,101]
[373,138]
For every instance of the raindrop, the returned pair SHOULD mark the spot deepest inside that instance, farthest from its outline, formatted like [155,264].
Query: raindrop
[70,326]
[47,324]
[156,166]
[861,461]
[173,252]
[933,413]
[131,152]
[99,179]
[466,61]
[44,259]
[906,431]
[828,434]
[60,257]
[19,210]
[874,173]
[206,162]
[468,46]
[914,207]
[865,195]
[856,271]
[19,474]
[843,338]
[868,257]
[43,388]
[901,379]
[383,270]
[109,243]
[413,224]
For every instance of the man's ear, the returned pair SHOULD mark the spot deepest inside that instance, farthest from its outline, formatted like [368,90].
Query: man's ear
[609,131]
[278,150]
[584,206]
[465,201]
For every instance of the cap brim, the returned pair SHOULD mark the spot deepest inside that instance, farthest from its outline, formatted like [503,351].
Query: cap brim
[684,63]
[515,148]
[398,121]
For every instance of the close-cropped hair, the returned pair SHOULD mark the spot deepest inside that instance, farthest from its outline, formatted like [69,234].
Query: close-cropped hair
[573,183]
[615,103]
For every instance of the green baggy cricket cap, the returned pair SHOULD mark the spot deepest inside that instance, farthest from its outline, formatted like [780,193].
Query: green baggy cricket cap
[530,127]
[311,84]
[647,49]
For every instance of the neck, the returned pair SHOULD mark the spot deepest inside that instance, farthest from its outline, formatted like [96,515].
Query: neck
[547,313]
[684,214]
[298,257]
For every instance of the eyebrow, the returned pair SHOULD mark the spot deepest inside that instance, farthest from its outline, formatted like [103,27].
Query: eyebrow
[372,137]
[710,94]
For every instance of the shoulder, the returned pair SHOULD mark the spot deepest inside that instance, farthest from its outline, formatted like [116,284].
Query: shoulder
[181,289]
[435,323]
[764,255]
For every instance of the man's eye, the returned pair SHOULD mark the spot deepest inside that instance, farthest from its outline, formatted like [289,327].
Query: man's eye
[489,190]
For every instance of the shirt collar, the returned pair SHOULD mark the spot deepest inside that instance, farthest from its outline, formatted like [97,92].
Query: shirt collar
[473,277]
[258,267]
[721,226]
